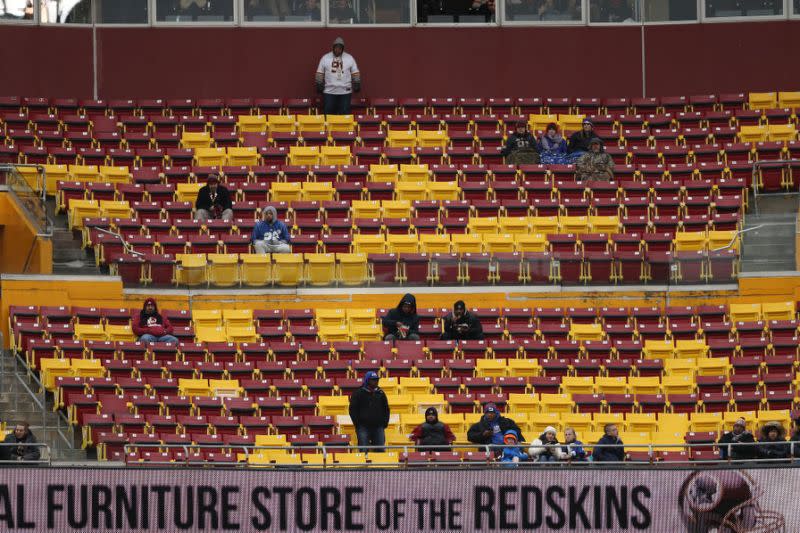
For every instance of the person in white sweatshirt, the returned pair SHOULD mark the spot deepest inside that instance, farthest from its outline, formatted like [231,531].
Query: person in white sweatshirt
[546,448]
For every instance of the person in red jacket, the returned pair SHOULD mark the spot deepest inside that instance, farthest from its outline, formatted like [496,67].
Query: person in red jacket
[150,326]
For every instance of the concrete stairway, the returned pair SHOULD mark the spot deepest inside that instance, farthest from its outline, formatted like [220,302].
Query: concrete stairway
[68,256]
[21,401]
[770,247]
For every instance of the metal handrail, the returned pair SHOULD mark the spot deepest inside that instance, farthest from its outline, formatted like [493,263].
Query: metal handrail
[127,247]
[48,460]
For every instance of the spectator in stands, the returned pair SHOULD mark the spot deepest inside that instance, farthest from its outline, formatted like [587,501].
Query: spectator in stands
[579,141]
[611,447]
[270,235]
[512,453]
[151,326]
[483,7]
[342,12]
[614,11]
[795,438]
[491,428]
[521,147]
[369,411]
[337,79]
[553,147]
[772,443]
[461,325]
[572,450]
[274,8]
[595,164]
[739,434]
[546,448]
[23,438]
[433,432]
[402,322]
[213,201]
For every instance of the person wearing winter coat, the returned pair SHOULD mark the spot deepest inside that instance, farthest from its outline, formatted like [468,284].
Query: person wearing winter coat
[491,428]
[553,147]
[795,438]
[572,449]
[595,164]
[23,438]
[546,449]
[461,325]
[213,201]
[402,322]
[579,140]
[739,434]
[270,235]
[512,454]
[433,432]
[772,442]
[611,447]
[151,326]
[369,411]
[521,146]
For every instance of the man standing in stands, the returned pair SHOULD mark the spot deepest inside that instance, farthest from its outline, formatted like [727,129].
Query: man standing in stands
[337,79]
[402,322]
[611,447]
[461,325]
[150,326]
[23,438]
[369,411]
[213,201]
[738,435]
[270,235]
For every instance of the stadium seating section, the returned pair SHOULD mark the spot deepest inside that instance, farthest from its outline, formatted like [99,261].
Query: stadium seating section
[281,378]
[406,190]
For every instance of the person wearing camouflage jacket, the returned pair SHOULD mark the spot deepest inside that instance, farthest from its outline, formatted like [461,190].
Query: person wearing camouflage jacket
[595,164]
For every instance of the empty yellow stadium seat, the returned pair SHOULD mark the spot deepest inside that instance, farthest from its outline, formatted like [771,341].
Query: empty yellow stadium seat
[752,134]
[50,369]
[190,269]
[384,173]
[432,139]
[87,368]
[287,270]
[320,269]
[434,243]
[411,190]
[443,190]
[524,367]
[252,123]
[655,349]
[237,334]
[599,420]
[209,157]
[396,208]
[111,174]
[304,155]
[604,224]
[223,269]
[689,241]
[482,225]
[285,192]
[534,242]
[781,132]
[723,239]
[401,139]
[195,139]
[401,403]
[310,123]
[369,244]
[119,332]
[789,99]
[84,173]
[242,156]
[333,405]
[90,332]
[317,191]
[255,270]
[514,225]
[705,422]
[415,385]
[580,422]
[556,403]
[680,367]
[745,312]
[466,242]
[366,332]
[537,422]
[353,269]
[644,385]
[53,174]
[490,367]
[693,349]
[586,332]
[335,155]
[610,385]
[398,244]
[341,123]
[217,334]
[80,209]
[281,123]
[778,311]
[544,225]
[207,318]
[767,100]
[641,422]
[187,192]
[498,243]
[570,123]
[577,385]
[193,387]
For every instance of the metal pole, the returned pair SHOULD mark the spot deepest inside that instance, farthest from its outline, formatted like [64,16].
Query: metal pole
[644,60]
[95,90]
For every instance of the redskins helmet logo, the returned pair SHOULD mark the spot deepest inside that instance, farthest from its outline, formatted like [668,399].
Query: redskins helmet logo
[725,501]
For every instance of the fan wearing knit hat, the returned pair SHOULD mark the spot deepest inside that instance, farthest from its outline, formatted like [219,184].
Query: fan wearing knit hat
[546,448]
[337,78]
[512,453]
[432,432]
[491,428]
[737,443]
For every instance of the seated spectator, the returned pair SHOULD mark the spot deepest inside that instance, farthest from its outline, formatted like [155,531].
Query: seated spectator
[546,449]
[482,7]
[611,447]
[213,201]
[739,434]
[595,164]
[461,325]
[579,140]
[521,147]
[150,326]
[572,450]
[512,453]
[615,11]
[433,432]
[491,428]
[342,12]
[553,147]
[795,438]
[270,235]
[772,443]
[402,322]
[23,451]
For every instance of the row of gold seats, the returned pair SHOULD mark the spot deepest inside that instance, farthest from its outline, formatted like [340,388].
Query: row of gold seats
[295,123]
[83,173]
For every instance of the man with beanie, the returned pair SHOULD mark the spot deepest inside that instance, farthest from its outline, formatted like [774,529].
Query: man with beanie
[491,427]
[595,164]
[150,326]
[369,411]
[213,201]
[461,325]
[521,147]
[579,140]
[432,432]
[337,79]
[728,441]
[270,235]
[402,322]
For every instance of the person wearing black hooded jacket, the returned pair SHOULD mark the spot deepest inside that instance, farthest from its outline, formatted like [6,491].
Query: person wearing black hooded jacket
[369,411]
[461,325]
[402,322]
